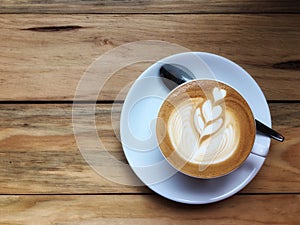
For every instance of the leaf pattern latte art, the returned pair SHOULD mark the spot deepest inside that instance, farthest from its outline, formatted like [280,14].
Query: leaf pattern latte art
[208,114]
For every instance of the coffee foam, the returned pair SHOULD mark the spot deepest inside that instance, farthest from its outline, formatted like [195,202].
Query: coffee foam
[209,127]
[209,145]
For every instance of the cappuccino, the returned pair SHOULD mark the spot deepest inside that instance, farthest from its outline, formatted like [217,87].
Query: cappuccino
[205,128]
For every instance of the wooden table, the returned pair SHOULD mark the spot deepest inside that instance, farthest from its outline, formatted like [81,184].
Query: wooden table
[45,47]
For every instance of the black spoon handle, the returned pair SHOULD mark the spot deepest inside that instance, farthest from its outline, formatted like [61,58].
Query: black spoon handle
[268,131]
[174,75]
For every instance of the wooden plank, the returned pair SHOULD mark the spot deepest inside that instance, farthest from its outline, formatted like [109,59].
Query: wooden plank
[39,155]
[147,209]
[44,56]
[146,6]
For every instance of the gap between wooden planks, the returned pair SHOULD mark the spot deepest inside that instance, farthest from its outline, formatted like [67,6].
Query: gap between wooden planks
[146,6]
[39,155]
[147,209]
[43,56]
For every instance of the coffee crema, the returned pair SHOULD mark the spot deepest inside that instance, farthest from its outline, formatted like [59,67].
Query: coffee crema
[205,128]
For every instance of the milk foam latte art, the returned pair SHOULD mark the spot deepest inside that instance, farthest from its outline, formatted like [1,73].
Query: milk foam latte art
[209,129]
[203,131]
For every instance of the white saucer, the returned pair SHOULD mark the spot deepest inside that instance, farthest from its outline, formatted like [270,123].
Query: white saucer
[137,129]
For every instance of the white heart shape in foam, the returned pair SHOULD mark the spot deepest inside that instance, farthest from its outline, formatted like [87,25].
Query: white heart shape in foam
[219,94]
[216,112]
[210,113]
[212,128]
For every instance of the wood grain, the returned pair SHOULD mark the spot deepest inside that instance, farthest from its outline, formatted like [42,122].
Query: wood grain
[147,209]
[39,155]
[44,56]
[148,6]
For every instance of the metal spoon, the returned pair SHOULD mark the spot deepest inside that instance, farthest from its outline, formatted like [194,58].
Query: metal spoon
[176,74]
